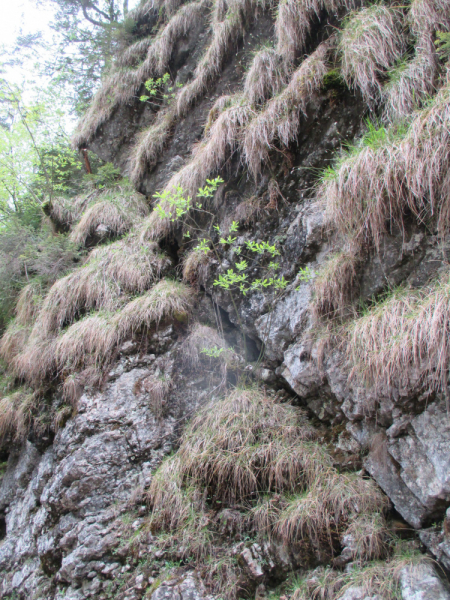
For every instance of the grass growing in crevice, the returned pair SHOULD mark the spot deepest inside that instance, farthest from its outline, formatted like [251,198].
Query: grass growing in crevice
[335,285]
[403,341]
[411,83]
[390,173]
[279,121]
[196,267]
[16,414]
[122,85]
[111,272]
[89,344]
[295,19]
[372,41]
[259,466]
[380,579]
[156,388]
[150,143]
[267,75]
[115,210]
[226,34]
[425,17]
[208,157]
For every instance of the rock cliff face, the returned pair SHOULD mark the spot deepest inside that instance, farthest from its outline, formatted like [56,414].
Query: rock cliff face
[74,502]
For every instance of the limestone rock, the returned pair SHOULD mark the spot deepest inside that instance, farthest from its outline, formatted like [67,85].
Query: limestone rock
[423,583]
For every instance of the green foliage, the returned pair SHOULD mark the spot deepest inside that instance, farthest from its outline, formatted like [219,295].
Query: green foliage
[214,352]
[159,90]
[86,36]
[443,44]
[305,275]
[29,253]
[333,80]
[173,205]
[104,176]
[36,161]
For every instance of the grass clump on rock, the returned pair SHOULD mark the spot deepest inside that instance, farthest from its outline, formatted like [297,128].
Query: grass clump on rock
[261,464]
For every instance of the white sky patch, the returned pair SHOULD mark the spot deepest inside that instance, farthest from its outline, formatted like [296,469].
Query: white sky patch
[22,17]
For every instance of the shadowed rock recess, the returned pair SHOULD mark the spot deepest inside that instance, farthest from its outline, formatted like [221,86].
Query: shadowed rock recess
[243,392]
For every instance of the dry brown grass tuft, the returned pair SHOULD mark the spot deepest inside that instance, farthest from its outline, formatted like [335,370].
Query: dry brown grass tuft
[196,267]
[266,77]
[88,342]
[248,443]
[392,172]
[294,21]
[209,157]
[369,537]
[248,211]
[378,579]
[16,413]
[280,119]
[115,210]
[226,34]
[111,271]
[425,17]
[36,362]
[371,42]
[166,300]
[122,85]
[157,389]
[334,286]
[134,53]
[28,303]
[117,89]
[66,211]
[150,144]
[404,340]
[327,507]
[412,83]
[13,341]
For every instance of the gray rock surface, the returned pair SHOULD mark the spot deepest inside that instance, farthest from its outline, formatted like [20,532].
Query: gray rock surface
[63,506]
[422,583]
[187,588]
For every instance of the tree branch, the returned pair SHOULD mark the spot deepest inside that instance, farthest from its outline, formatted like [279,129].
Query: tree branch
[91,20]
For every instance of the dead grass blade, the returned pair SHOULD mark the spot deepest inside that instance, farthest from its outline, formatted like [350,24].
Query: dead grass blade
[280,119]
[115,211]
[404,341]
[371,42]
